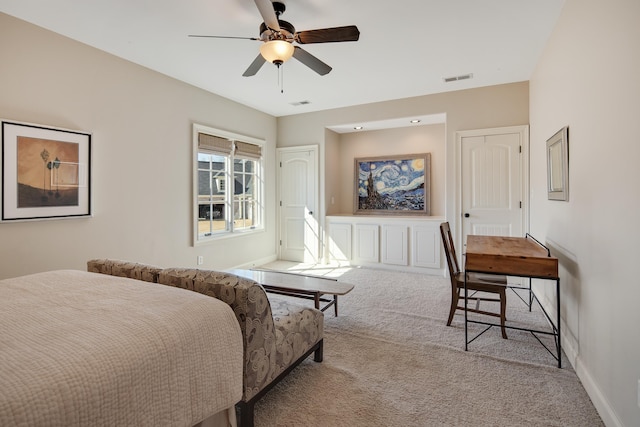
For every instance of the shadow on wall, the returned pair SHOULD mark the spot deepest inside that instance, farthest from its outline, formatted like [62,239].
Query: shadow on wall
[570,292]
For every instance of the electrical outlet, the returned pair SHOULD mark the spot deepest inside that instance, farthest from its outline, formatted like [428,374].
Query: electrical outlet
[200,260]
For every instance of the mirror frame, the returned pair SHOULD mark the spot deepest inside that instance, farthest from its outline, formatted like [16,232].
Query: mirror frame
[558,165]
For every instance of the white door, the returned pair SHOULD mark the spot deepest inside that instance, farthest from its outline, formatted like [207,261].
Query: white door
[299,240]
[493,182]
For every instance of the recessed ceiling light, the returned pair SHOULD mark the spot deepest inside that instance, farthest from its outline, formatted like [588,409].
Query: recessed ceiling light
[416,121]
[358,127]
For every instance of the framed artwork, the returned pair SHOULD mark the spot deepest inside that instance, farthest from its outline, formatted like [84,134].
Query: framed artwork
[558,165]
[393,185]
[46,172]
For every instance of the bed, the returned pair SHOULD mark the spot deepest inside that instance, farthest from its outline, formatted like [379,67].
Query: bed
[80,349]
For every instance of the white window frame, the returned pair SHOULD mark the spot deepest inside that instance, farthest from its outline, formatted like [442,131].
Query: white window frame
[231,232]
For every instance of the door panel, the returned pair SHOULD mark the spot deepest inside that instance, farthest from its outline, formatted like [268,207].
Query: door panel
[298,194]
[340,241]
[367,243]
[426,246]
[492,183]
[395,244]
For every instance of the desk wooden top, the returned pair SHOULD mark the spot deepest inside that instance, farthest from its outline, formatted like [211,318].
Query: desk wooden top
[516,256]
[296,282]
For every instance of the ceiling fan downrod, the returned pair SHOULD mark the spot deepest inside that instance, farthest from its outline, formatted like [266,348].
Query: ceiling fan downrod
[279,8]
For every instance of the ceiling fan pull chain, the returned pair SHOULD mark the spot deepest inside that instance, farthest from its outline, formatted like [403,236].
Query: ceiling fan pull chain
[281,78]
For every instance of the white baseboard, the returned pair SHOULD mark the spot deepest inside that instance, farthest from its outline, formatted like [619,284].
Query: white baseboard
[404,268]
[602,405]
[257,262]
[599,400]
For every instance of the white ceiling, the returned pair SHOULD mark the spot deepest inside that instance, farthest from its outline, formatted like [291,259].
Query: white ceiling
[406,47]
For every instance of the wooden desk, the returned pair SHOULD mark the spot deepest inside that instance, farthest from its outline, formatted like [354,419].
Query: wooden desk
[514,256]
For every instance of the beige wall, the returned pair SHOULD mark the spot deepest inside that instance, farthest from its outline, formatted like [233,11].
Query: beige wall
[142,155]
[587,79]
[333,181]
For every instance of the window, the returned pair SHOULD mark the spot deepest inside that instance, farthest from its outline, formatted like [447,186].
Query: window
[228,183]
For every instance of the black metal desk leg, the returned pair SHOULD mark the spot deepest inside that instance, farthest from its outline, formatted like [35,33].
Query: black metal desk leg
[466,340]
[558,308]
[335,304]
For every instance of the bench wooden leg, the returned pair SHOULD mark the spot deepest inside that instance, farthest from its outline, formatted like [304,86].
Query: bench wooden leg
[245,410]
[244,413]
[318,355]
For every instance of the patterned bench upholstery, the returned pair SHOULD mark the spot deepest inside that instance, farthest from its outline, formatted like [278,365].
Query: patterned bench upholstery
[277,334]
[132,270]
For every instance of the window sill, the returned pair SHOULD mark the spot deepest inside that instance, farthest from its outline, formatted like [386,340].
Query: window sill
[201,241]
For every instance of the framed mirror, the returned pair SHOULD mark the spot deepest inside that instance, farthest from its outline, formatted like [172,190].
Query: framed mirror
[558,165]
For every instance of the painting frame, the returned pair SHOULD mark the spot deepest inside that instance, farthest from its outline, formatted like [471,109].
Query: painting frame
[393,185]
[557,148]
[46,172]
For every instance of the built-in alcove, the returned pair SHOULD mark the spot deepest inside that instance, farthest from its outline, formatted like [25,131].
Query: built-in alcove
[389,241]
[427,136]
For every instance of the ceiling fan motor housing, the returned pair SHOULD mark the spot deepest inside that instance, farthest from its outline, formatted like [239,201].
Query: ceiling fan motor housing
[287,32]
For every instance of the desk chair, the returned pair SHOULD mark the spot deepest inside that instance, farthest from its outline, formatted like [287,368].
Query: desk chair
[494,284]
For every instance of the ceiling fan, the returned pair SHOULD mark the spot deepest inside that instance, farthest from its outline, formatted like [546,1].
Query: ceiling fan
[278,37]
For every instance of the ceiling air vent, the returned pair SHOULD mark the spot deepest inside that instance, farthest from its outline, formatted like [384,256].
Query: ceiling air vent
[456,78]
[297,104]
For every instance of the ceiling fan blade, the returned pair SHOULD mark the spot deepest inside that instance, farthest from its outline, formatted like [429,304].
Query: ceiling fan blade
[311,61]
[349,33]
[224,37]
[268,14]
[255,66]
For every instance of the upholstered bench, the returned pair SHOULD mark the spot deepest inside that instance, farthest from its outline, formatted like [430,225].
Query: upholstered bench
[277,334]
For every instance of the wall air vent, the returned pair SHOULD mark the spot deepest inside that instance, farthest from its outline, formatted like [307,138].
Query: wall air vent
[456,78]
[297,104]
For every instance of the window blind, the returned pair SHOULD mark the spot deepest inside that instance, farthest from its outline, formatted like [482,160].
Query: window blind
[248,151]
[215,144]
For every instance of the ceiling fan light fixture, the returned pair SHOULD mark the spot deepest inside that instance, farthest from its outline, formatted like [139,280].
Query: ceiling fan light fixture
[277,51]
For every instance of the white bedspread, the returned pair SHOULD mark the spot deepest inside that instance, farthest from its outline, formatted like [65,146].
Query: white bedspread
[86,349]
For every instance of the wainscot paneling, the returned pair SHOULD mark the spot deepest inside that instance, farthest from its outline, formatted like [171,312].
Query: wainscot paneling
[398,243]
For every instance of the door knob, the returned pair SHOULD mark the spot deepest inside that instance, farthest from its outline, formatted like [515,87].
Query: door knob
[466,215]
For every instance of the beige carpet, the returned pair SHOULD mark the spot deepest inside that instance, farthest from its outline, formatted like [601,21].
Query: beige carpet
[389,360]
